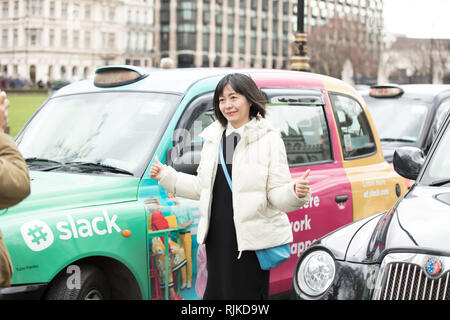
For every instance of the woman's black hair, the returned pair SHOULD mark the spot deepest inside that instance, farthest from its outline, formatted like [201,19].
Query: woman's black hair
[244,85]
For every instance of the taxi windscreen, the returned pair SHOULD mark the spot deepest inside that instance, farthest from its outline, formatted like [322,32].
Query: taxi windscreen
[107,129]
[437,172]
[397,119]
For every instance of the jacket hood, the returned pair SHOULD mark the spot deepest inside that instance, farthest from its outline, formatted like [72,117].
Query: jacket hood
[253,131]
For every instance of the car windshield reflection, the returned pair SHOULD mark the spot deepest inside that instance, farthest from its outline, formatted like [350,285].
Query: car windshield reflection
[398,120]
[437,173]
[114,129]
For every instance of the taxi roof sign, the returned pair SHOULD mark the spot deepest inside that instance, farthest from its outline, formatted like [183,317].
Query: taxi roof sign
[115,76]
[385,91]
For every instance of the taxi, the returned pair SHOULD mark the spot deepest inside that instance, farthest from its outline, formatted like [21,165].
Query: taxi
[401,254]
[85,231]
[407,115]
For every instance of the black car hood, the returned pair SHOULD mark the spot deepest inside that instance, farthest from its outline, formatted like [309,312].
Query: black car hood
[421,221]
[444,197]
[425,215]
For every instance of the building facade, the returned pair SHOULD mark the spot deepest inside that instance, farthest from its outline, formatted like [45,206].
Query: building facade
[232,33]
[410,60]
[48,40]
[256,33]
[345,34]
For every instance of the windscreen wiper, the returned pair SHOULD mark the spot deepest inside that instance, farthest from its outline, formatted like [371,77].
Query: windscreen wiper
[397,140]
[97,166]
[440,182]
[35,161]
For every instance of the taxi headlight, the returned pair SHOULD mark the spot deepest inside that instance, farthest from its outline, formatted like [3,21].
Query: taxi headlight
[316,272]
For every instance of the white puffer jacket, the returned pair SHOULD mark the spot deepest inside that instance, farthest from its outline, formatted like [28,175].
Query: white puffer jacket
[262,186]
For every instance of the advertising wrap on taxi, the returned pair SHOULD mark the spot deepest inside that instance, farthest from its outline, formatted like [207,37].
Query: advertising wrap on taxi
[96,226]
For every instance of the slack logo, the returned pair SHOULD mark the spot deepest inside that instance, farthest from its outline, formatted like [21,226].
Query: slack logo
[37,235]
[83,228]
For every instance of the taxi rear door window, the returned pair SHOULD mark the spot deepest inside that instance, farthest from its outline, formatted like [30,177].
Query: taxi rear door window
[300,117]
[354,129]
[304,131]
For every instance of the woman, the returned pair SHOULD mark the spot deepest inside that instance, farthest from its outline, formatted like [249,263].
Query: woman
[234,223]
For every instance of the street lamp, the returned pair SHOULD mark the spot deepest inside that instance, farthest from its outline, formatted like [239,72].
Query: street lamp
[300,61]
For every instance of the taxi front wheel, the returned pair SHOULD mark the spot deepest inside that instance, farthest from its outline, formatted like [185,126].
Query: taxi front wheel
[79,282]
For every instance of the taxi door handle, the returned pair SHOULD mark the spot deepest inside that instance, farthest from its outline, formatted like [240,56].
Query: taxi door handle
[340,199]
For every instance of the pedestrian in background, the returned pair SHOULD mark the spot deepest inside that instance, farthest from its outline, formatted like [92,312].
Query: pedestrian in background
[14,183]
[167,63]
[234,223]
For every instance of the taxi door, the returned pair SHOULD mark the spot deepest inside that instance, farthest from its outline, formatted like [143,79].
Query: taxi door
[375,186]
[309,134]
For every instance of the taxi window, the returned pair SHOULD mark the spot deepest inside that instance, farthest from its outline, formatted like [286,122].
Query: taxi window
[400,120]
[438,168]
[201,122]
[441,112]
[354,128]
[197,116]
[304,131]
[117,129]
[303,128]
[198,124]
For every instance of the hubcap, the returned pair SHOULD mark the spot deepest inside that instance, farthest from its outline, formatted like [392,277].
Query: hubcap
[93,294]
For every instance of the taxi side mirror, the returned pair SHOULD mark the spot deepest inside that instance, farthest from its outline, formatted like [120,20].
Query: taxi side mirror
[408,161]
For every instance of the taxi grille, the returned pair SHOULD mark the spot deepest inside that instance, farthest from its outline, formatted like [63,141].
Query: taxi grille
[408,281]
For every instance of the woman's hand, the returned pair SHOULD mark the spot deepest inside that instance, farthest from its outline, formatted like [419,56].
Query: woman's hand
[156,169]
[301,186]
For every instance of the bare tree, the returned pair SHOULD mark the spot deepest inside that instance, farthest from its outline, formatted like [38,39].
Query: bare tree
[422,59]
[331,44]
[442,56]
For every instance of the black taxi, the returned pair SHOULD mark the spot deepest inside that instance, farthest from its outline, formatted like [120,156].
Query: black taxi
[402,254]
[407,115]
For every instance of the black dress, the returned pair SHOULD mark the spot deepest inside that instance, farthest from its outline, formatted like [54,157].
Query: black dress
[229,277]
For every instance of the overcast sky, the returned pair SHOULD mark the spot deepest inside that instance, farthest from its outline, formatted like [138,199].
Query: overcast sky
[418,18]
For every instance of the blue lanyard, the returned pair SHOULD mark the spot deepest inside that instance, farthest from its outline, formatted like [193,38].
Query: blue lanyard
[224,167]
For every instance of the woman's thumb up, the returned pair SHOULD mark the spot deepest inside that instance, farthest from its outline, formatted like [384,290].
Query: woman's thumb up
[156,169]
[301,186]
